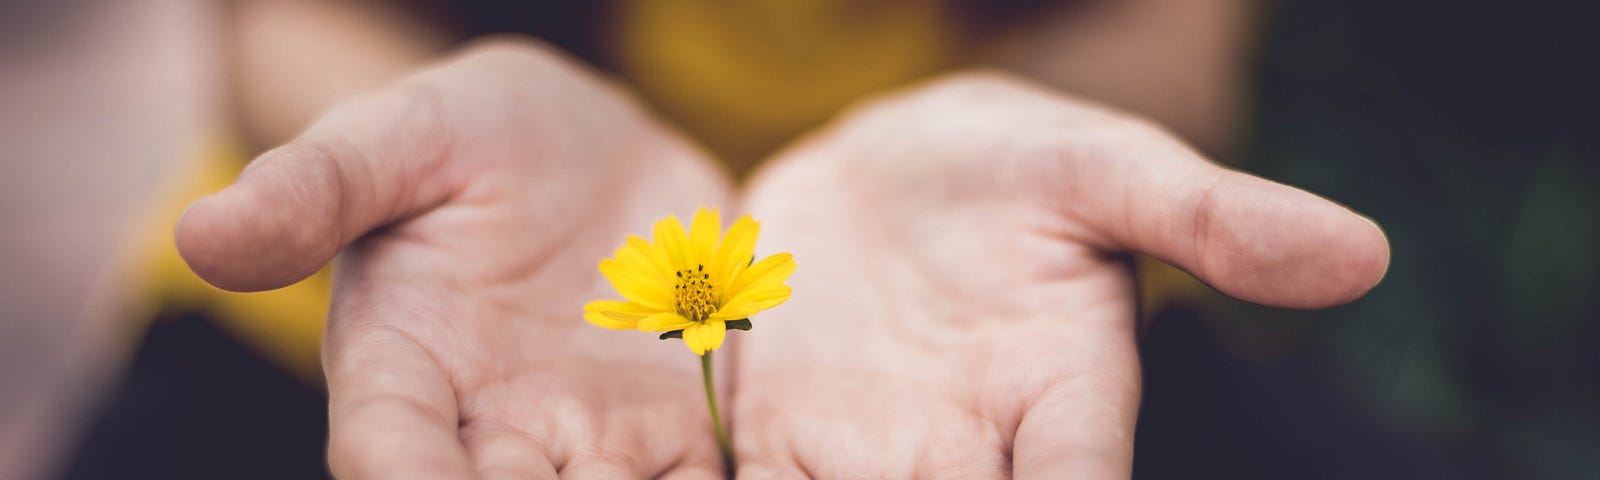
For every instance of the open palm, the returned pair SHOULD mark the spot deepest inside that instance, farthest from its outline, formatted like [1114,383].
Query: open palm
[455,347]
[963,308]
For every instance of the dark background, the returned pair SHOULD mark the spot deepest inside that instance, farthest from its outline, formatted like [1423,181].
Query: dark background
[1468,129]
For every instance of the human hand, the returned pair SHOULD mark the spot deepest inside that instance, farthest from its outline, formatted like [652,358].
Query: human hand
[472,201]
[964,308]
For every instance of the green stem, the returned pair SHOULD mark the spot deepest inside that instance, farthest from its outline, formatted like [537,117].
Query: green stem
[716,416]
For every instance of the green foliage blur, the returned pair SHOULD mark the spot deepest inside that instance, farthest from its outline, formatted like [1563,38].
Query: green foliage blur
[1471,131]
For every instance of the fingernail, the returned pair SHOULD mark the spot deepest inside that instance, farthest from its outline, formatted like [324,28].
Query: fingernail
[1388,254]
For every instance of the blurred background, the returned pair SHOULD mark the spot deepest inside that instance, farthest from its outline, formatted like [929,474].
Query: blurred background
[1467,128]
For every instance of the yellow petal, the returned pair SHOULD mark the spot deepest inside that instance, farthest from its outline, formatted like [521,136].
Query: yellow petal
[736,309]
[654,253]
[704,233]
[640,256]
[703,337]
[691,339]
[770,271]
[765,297]
[602,320]
[615,313]
[636,286]
[621,307]
[664,322]
[712,333]
[735,252]
[671,239]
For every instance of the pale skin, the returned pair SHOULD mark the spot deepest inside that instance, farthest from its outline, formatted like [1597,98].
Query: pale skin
[455,346]
[964,308]
[962,305]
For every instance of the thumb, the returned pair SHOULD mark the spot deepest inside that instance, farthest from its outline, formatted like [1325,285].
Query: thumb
[366,163]
[1250,238]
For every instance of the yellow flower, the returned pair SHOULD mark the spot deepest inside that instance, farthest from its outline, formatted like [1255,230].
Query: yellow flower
[696,283]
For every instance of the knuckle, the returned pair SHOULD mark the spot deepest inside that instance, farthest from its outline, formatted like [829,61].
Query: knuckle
[981,80]
[506,63]
[512,47]
[402,102]
[982,89]
[398,105]
[970,94]
[508,56]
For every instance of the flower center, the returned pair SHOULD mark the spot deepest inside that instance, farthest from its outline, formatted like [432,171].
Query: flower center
[696,296]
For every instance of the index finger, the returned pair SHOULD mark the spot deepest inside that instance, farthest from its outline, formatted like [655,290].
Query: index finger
[391,411]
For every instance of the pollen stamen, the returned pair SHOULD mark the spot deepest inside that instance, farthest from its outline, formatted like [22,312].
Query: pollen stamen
[696,296]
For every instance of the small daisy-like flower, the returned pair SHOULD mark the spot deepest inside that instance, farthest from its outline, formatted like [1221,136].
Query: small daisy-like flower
[694,285]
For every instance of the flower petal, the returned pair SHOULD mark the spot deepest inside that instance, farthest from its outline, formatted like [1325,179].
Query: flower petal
[671,239]
[636,286]
[735,252]
[770,271]
[601,320]
[765,297]
[615,314]
[621,307]
[655,253]
[703,337]
[664,322]
[736,309]
[642,257]
[704,233]
[713,332]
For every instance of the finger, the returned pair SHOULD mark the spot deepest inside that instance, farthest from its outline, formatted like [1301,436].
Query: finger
[696,464]
[643,454]
[392,412]
[693,472]
[368,162]
[1250,238]
[507,454]
[1082,425]
[700,461]
[764,469]
[593,467]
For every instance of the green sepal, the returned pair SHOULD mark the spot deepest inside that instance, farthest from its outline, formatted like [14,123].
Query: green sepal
[672,334]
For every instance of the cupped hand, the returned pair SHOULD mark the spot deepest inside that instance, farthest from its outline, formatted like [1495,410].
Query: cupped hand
[964,307]
[472,201]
